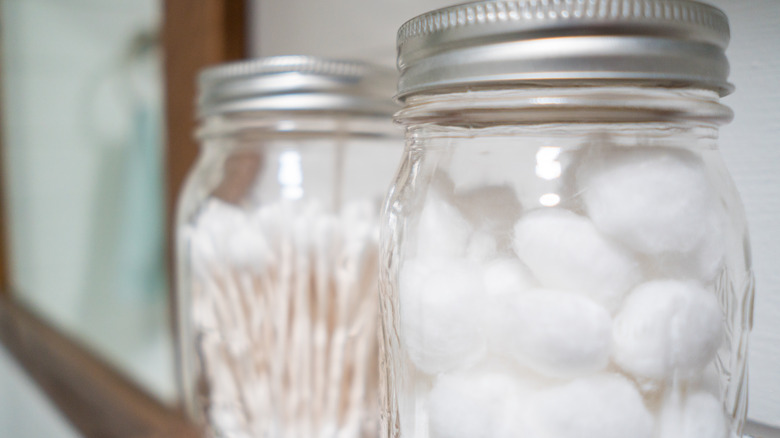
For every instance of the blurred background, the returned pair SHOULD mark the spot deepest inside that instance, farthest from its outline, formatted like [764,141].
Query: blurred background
[96,132]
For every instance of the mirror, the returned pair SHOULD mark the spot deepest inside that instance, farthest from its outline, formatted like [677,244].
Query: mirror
[82,143]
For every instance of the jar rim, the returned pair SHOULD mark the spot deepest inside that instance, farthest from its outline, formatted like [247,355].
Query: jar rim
[565,105]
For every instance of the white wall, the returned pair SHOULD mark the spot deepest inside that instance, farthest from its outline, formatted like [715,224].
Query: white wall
[362,29]
[366,29]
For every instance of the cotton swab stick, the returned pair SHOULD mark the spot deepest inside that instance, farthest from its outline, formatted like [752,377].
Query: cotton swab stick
[290,294]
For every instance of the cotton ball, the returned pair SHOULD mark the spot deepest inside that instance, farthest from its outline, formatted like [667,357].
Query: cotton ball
[699,415]
[556,334]
[667,327]
[503,279]
[603,406]
[475,405]
[704,262]
[708,380]
[439,315]
[507,277]
[704,417]
[565,251]
[653,199]
[481,246]
[442,231]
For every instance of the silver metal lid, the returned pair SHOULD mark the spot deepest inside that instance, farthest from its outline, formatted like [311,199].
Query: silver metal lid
[492,43]
[297,83]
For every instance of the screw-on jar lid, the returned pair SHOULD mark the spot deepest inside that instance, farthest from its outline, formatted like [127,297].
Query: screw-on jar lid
[494,43]
[297,83]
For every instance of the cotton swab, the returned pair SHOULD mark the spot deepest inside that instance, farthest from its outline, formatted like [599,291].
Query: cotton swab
[289,291]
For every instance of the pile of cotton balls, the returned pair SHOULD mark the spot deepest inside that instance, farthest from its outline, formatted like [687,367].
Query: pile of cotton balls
[596,321]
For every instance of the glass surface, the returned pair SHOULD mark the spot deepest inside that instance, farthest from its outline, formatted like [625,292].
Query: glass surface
[561,263]
[277,245]
[82,166]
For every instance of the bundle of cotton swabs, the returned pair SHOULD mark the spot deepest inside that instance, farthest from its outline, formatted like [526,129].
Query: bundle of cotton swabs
[284,312]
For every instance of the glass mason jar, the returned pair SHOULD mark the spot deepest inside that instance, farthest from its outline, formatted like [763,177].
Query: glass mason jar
[277,248]
[563,252]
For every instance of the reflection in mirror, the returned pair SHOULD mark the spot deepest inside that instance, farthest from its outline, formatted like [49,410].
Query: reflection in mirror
[82,154]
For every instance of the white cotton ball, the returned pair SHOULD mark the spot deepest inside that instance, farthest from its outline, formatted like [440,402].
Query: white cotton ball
[667,327]
[507,277]
[603,406]
[704,417]
[565,251]
[699,415]
[653,199]
[503,279]
[708,380]
[481,246]
[556,334]
[475,405]
[704,262]
[442,231]
[439,314]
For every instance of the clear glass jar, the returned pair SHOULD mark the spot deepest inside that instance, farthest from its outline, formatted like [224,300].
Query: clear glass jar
[277,248]
[560,258]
